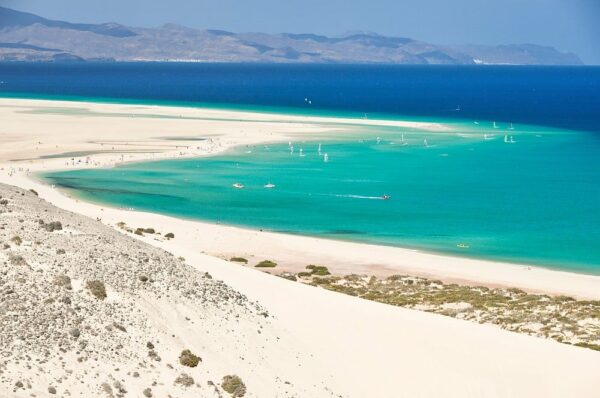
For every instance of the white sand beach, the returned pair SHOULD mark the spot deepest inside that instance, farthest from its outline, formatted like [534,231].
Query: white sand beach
[356,347]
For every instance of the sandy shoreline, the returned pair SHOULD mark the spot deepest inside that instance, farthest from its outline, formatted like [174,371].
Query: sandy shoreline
[342,345]
[47,128]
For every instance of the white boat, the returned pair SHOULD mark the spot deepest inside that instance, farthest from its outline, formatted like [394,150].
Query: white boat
[269,185]
[378,140]
[495,125]
[512,141]
[238,185]
[505,138]
[326,158]
[511,127]
[319,150]
[425,143]
[301,153]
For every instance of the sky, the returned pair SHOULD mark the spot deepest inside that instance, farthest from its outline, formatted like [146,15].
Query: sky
[568,25]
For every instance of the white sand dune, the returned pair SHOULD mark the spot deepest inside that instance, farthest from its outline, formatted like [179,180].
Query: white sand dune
[367,349]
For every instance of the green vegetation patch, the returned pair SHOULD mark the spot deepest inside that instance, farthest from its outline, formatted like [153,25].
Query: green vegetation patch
[233,385]
[97,289]
[318,270]
[187,358]
[266,264]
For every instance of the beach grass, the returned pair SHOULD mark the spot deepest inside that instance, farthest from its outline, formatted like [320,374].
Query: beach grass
[560,318]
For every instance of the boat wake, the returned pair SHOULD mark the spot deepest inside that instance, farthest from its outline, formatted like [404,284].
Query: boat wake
[360,197]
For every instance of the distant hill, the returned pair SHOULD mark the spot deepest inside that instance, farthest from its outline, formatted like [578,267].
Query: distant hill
[28,37]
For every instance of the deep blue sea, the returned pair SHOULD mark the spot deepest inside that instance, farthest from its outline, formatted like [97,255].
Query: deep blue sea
[536,200]
[553,96]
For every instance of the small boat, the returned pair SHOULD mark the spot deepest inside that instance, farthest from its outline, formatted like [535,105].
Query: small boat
[462,246]
[378,140]
[505,138]
[319,150]
[386,197]
[425,143]
[512,141]
[301,153]
[326,158]
[495,125]
[238,185]
[269,185]
[511,127]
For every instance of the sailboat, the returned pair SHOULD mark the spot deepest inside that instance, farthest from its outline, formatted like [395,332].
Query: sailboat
[511,127]
[402,140]
[512,141]
[425,143]
[301,153]
[319,150]
[505,138]
[495,125]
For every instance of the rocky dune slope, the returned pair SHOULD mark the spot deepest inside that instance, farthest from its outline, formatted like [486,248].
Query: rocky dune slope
[88,311]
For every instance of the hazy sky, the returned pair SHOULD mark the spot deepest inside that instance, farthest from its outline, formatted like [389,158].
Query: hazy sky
[569,25]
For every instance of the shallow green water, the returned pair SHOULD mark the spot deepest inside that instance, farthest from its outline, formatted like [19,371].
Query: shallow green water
[534,201]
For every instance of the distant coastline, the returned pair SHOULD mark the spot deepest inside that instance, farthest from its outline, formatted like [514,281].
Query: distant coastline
[28,37]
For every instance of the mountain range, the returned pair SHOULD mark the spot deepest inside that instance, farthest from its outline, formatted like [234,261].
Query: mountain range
[28,37]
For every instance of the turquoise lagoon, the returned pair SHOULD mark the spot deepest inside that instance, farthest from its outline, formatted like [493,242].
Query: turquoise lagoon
[533,201]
